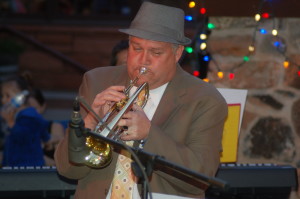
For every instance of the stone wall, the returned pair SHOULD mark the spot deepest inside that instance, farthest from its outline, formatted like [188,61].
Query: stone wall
[270,129]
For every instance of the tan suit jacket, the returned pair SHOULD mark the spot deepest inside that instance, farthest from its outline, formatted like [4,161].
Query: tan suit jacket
[186,129]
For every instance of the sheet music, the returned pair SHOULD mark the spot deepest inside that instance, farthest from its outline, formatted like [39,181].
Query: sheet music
[235,96]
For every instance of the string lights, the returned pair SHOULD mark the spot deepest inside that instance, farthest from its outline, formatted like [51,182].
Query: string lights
[200,41]
[198,49]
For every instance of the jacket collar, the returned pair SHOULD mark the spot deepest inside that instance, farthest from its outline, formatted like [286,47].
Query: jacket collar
[170,100]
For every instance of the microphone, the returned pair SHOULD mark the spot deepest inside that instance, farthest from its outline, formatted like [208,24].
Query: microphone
[76,123]
[77,136]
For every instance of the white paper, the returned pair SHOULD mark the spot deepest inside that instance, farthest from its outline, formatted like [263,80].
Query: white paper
[235,96]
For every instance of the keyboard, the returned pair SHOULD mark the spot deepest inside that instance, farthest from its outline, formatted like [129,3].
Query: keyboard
[259,181]
[34,182]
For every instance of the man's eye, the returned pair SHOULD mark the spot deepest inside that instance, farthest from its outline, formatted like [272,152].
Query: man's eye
[157,53]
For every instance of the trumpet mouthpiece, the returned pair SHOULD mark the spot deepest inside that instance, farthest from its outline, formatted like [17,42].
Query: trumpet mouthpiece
[143,70]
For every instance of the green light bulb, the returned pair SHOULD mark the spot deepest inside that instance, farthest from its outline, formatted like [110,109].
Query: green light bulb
[210,26]
[246,58]
[189,49]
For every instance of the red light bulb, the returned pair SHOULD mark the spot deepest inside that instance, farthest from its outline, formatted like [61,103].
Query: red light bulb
[231,75]
[265,15]
[202,11]
[196,73]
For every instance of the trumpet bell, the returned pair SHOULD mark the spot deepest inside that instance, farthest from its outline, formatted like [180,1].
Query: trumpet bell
[99,153]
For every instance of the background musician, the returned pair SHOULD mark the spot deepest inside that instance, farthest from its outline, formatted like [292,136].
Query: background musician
[27,129]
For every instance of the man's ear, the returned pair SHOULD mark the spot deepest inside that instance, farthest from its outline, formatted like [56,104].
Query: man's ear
[179,52]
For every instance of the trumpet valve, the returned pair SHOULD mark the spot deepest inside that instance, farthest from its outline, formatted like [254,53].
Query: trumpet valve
[122,103]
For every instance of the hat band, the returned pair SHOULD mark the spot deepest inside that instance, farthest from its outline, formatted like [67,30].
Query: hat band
[162,30]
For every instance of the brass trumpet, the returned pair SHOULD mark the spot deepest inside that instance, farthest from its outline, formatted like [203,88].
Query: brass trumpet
[100,152]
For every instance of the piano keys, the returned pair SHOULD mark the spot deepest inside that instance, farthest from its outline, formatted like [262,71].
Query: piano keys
[34,183]
[257,181]
[246,181]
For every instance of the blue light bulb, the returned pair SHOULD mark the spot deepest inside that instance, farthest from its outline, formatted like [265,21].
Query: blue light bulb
[276,43]
[188,18]
[263,31]
[206,58]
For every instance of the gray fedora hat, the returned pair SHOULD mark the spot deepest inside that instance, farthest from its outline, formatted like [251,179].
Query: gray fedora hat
[159,23]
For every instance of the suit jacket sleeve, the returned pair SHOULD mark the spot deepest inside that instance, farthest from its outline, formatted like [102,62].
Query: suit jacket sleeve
[63,163]
[93,82]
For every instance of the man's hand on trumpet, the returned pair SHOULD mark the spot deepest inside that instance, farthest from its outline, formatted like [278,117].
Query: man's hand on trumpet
[102,103]
[137,123]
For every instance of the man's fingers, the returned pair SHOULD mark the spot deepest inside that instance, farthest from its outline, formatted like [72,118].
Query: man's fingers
[124,122]
[136,107]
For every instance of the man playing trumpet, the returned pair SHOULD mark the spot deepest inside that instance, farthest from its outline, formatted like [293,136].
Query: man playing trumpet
[182,120]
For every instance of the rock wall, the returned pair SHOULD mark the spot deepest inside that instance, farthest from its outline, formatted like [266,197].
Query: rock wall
[271,123]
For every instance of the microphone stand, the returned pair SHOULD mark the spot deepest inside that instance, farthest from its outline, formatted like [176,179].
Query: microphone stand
[153,162]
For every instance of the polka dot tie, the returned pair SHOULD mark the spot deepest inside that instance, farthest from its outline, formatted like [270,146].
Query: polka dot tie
[124,179]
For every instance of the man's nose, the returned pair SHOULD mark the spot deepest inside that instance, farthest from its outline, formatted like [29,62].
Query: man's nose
[145,58]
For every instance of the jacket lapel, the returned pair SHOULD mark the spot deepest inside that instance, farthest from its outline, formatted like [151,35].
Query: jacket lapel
[170,101]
